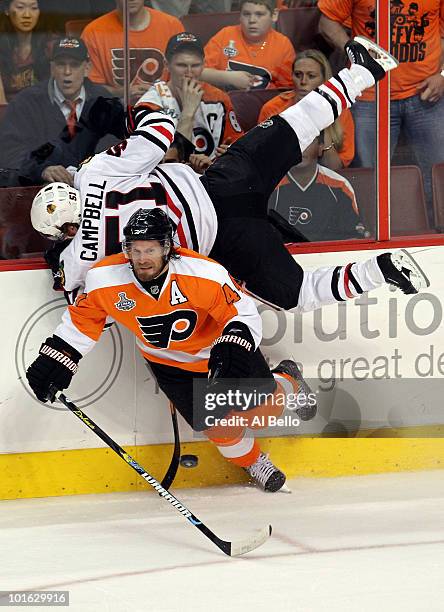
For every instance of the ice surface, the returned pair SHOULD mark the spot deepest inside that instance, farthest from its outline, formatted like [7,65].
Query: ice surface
[369,543]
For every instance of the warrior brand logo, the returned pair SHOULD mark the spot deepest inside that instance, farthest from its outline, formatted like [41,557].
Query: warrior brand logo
[158,487]
[124,303]
[95,382]
[160,330]
[300,215]
[173,501]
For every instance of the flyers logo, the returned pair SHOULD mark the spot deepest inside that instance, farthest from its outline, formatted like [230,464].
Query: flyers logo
[146,65]
[262,76]
[298,214]
[161,330]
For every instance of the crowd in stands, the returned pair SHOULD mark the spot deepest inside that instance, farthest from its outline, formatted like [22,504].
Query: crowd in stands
[62,90]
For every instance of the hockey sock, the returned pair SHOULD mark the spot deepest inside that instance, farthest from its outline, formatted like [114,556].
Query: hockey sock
[287,384]
[322,106]
[337,284]
[242,451]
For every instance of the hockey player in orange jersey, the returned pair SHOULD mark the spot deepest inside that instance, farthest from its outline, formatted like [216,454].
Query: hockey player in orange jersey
[190,321]
[223,213]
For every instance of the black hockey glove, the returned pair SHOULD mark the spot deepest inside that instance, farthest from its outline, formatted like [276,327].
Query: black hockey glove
[54,367]
[231,353]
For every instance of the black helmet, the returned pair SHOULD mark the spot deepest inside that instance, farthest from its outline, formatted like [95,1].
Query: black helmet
[149,224]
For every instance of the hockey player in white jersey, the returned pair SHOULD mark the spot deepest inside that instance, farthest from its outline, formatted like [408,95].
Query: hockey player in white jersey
[223,213]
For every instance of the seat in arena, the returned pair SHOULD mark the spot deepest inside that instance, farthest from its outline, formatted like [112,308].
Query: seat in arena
[247,104]
[408,213]
[18,237]
[206,25]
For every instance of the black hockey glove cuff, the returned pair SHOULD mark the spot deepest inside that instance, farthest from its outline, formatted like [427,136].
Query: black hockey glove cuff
[54,367]
[52,258]
[231,353]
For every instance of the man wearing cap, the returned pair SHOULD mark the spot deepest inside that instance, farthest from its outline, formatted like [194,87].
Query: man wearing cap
[205,114]
[56,107]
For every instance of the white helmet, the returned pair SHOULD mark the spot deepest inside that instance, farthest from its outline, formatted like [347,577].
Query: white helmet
[54,205]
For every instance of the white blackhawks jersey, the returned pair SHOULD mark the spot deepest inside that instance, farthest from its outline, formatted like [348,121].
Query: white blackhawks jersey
[126,177]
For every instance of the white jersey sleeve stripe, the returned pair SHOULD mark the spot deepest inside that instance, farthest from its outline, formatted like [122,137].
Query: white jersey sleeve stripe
[67,331]
[156,118]
[159,142]
[108,276]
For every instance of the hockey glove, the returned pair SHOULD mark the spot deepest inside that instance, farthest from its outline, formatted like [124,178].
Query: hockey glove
[54,367]
[230,353]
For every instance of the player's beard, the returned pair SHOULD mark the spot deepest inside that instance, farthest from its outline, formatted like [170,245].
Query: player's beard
[146,273]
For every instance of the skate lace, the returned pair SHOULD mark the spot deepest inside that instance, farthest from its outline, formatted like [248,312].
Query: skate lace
[262,469]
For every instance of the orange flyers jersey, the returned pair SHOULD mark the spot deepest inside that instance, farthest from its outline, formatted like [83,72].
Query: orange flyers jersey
[215,121]
[126,177]
[416,31]
[104,39]
[271,62]
[279,103]
[197,300]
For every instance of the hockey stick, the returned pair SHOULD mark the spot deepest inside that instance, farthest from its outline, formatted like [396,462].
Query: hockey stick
[175,459]
[232,549]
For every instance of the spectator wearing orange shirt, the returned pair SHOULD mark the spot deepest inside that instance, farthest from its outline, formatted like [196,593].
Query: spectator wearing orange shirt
[149,32]
[417,86]
[310,69]
[251,55]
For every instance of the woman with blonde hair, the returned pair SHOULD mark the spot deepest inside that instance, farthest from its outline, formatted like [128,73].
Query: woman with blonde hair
[310,69]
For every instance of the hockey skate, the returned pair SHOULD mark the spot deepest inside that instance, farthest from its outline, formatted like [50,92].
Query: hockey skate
[401,270]
[287,366]
[266,475]
[365,52]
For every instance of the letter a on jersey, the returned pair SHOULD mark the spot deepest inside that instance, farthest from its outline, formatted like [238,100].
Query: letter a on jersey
[177,297]
[160,330]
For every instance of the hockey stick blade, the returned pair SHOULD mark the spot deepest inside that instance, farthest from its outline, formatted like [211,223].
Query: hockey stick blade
[244,546]
[232,549]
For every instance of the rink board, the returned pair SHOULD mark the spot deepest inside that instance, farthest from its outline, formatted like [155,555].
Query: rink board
[385,335]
